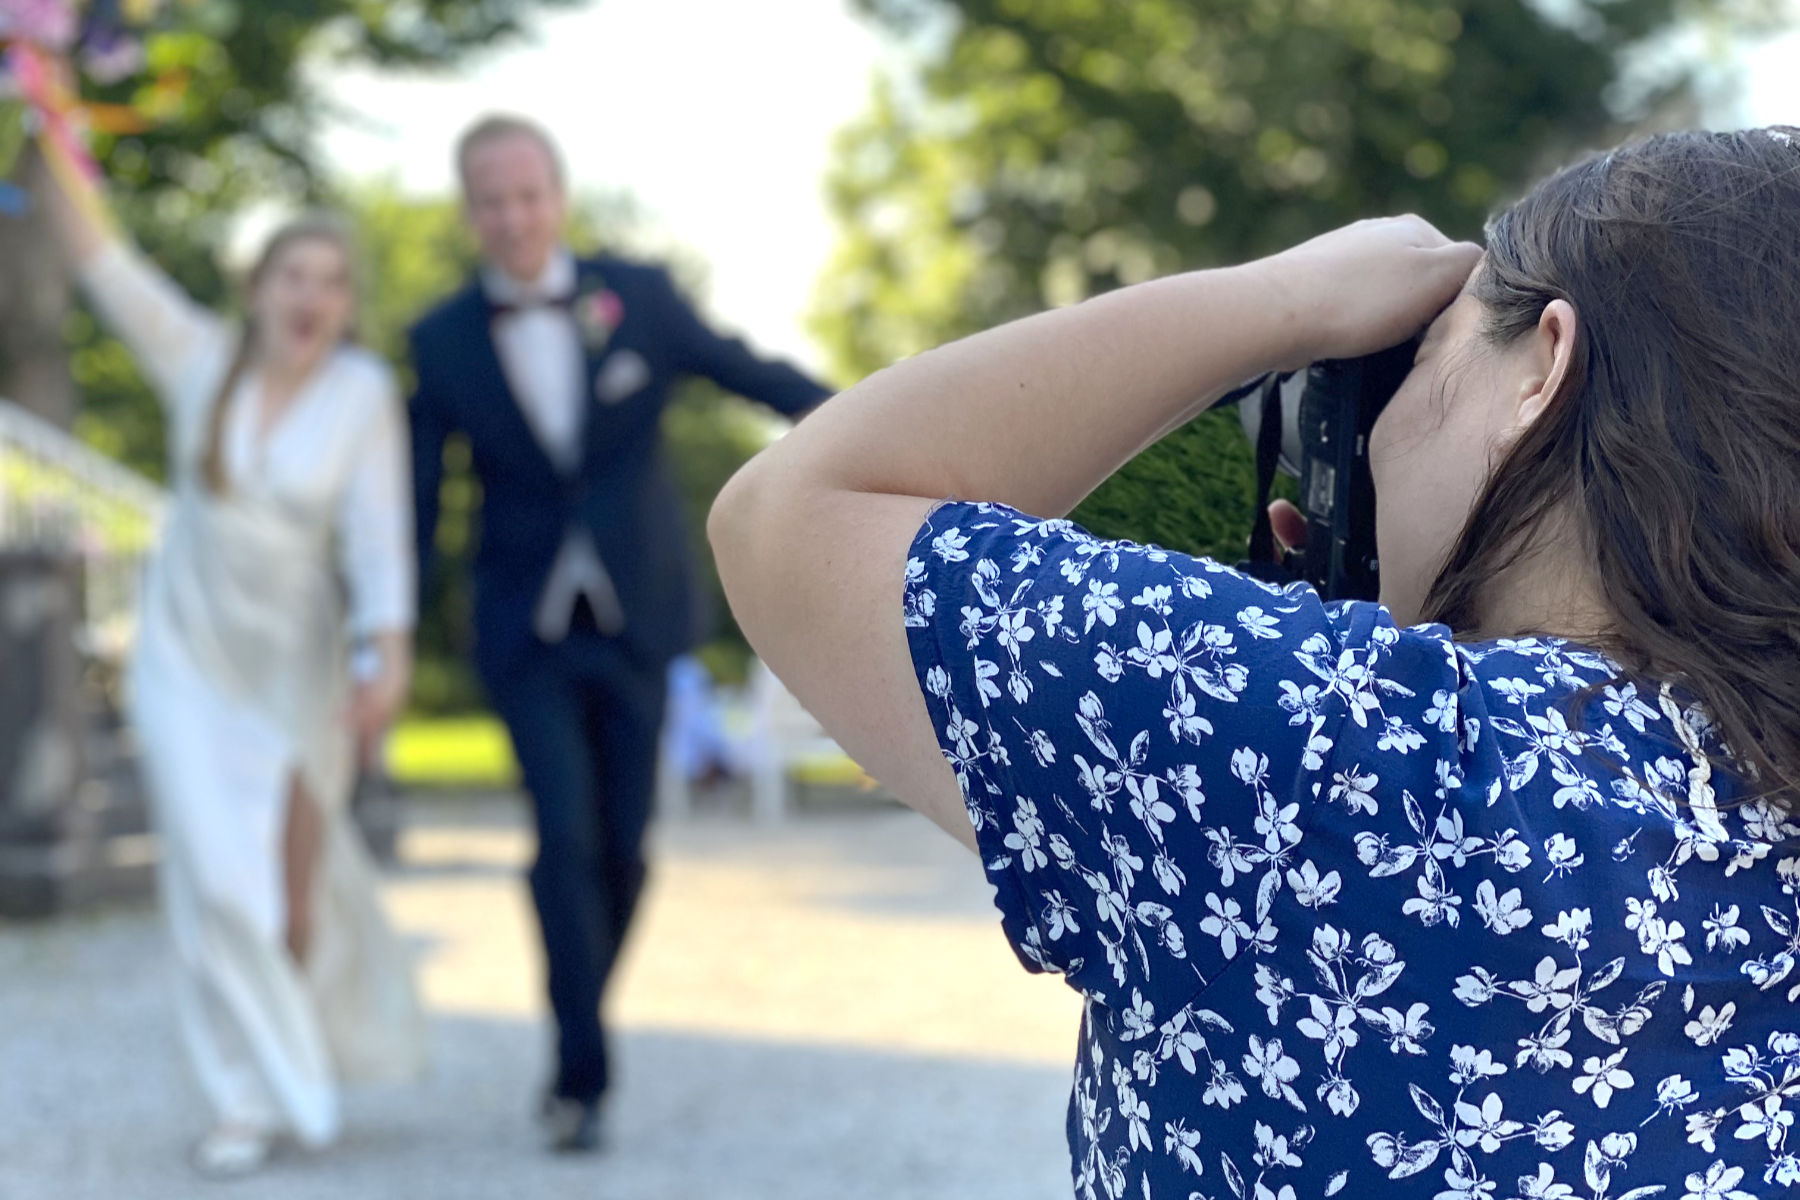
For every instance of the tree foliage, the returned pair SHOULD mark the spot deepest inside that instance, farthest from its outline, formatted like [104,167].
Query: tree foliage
[1057,148]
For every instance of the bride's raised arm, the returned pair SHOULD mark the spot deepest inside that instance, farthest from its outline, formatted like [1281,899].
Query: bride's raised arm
[163,326]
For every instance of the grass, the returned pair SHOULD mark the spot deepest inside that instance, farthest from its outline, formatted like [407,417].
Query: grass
[475,752]
[470,752]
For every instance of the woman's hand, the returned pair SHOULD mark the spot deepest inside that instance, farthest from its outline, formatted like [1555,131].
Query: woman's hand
[79,214]
[376,701]
[1367,286]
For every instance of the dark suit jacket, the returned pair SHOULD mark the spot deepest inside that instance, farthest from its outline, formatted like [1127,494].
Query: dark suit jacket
[622,491]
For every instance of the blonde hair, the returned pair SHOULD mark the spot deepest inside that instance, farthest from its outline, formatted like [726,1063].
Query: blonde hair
[323,227]
[495,126]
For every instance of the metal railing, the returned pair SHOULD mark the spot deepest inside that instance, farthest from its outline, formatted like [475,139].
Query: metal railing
[58,494]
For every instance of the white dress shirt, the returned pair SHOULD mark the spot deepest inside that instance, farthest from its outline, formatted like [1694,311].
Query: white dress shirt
[541,352]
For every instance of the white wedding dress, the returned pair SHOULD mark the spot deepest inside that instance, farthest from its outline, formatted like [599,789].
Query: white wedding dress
[240,680]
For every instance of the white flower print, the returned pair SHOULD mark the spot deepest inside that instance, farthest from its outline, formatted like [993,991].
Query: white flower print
[1443,711]
[1172,769]
[1155,598]
[1406,1030]
[948,545]
[1571,928]
[1397,735]
[1711,1025]
[1765,825]
[1563,854]
[1060,916]
[1101,603]
[1153,651]
[1717,1182]
[1307,703]
[1672,1094]
[1656,937]
[1310,888]
[1516,691]
[1225,921]
[1223,1088]
[1472,1065]
[1027,837]
[1272,1149]
[1484,1126]
[1355,791]
[1182,714]
[1501,913]
[1184,1144]
[1624,702]
[1258,624]
[1434,905]
[985,674]
[1769,1121]
[1542,1185]
[1604,1076]
[1268,1063]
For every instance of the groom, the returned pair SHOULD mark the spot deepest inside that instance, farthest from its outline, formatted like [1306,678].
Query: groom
[557,370]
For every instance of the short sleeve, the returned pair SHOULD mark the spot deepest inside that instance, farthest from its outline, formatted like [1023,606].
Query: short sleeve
[1135,733]
[375,520]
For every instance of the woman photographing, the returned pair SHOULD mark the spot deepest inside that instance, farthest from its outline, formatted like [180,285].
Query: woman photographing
[1487,890]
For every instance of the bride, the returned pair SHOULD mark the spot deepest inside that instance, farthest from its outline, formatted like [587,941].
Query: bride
[286,558]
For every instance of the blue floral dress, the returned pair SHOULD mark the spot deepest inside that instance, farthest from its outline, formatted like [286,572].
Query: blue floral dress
[1358,910]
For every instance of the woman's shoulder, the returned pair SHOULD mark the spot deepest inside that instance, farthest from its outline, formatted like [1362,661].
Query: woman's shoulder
[1139,604]
[1547,722]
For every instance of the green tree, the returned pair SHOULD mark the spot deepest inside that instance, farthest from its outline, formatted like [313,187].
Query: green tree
[232,116]
[1053,149]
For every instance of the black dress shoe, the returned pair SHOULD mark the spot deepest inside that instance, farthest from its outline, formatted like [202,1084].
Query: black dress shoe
[573,1126]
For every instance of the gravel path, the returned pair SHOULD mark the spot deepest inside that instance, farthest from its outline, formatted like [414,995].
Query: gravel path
[825,1009]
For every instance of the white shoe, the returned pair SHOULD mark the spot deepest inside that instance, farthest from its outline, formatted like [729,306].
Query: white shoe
[233,1150]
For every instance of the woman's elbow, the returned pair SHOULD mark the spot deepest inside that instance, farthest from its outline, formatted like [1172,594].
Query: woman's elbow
[733,525]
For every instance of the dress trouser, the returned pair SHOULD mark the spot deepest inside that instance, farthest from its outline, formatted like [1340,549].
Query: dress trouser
[585,721]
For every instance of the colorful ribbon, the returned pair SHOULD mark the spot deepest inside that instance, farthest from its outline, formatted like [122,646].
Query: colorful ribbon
[55,106]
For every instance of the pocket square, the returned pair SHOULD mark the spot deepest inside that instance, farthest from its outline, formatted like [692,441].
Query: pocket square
[624,372]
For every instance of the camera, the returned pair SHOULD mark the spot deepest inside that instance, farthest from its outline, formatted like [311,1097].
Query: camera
[1314,425]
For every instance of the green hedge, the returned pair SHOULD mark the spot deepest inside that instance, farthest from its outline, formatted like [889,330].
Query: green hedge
[1193,492]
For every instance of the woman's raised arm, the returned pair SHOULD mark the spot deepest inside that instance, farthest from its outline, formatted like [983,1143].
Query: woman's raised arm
[161,324]
[812,536]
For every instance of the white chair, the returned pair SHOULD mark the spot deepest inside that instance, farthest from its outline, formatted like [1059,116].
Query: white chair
[783,736]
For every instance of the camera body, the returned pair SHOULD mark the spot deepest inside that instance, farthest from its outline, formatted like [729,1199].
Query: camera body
[1314,425]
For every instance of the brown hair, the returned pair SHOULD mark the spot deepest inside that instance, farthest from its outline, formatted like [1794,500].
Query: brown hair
[313,227]
[1674,443]
[503,125]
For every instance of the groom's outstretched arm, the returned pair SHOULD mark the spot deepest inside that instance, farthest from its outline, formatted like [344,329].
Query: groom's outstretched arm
[728,362]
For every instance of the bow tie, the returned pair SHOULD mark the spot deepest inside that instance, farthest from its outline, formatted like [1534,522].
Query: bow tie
[522,304]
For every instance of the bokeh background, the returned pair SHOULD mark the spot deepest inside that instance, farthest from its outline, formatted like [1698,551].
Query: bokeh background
[851,181]
[822,1007]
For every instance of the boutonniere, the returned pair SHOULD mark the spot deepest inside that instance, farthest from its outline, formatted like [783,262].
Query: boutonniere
[598,312]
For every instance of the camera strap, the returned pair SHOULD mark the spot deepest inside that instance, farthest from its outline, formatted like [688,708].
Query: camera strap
[1264,560]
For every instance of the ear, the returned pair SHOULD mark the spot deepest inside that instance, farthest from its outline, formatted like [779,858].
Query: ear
[1551,347]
